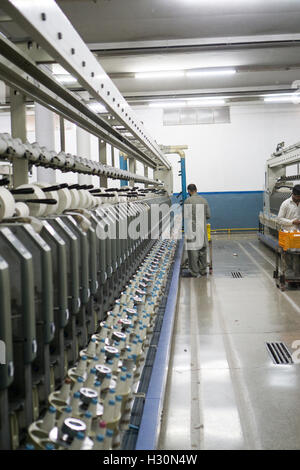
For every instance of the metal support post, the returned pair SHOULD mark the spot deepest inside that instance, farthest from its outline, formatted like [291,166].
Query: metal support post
[146,168]
[18,130]
[103,159]
[62,134]
[113,160]
[132,169]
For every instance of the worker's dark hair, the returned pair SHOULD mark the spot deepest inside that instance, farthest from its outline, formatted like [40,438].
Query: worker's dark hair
[296,190]
[192,187]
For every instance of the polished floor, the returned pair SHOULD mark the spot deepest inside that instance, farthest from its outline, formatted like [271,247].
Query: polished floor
[223,390]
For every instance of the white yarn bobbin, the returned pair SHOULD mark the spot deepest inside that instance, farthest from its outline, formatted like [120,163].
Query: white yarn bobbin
[36,210]
[21,209]
[7,204]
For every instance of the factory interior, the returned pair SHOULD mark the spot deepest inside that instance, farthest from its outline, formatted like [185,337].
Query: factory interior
[109,111]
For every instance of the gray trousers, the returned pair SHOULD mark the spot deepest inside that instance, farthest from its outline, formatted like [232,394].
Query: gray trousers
[197,261]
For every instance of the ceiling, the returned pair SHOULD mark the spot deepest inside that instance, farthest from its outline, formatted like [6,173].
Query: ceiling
[148,20]
[259,38]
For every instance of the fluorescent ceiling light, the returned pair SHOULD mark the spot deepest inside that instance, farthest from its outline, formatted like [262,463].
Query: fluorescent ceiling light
[206,103]
[161,74]
[199,72]
[283,99]
[279,94]
[186,73]
[167,104]
[65,79]
[97,107]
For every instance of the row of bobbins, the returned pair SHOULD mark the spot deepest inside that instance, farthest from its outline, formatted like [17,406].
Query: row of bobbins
[92,410]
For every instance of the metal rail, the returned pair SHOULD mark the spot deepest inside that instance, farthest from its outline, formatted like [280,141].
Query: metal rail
[21,72]
[286,156]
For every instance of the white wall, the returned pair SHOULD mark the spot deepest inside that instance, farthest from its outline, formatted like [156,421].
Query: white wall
[227,157]
[220,157]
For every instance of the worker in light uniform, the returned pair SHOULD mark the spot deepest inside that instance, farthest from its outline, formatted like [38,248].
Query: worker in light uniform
[196,213]
[289,218]
[289,212]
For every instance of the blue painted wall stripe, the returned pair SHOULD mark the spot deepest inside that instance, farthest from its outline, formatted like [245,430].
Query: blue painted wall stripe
[233,209]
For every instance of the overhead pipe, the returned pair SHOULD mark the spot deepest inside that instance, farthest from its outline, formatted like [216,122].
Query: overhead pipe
[179,150]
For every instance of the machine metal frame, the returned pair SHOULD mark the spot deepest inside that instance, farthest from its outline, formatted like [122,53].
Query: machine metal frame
[275,178]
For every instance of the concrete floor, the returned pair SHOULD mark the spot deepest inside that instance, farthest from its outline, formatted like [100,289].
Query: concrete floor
[223,390]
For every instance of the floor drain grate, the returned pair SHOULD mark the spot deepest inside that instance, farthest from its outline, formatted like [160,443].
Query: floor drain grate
[279,353]
[236,274]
